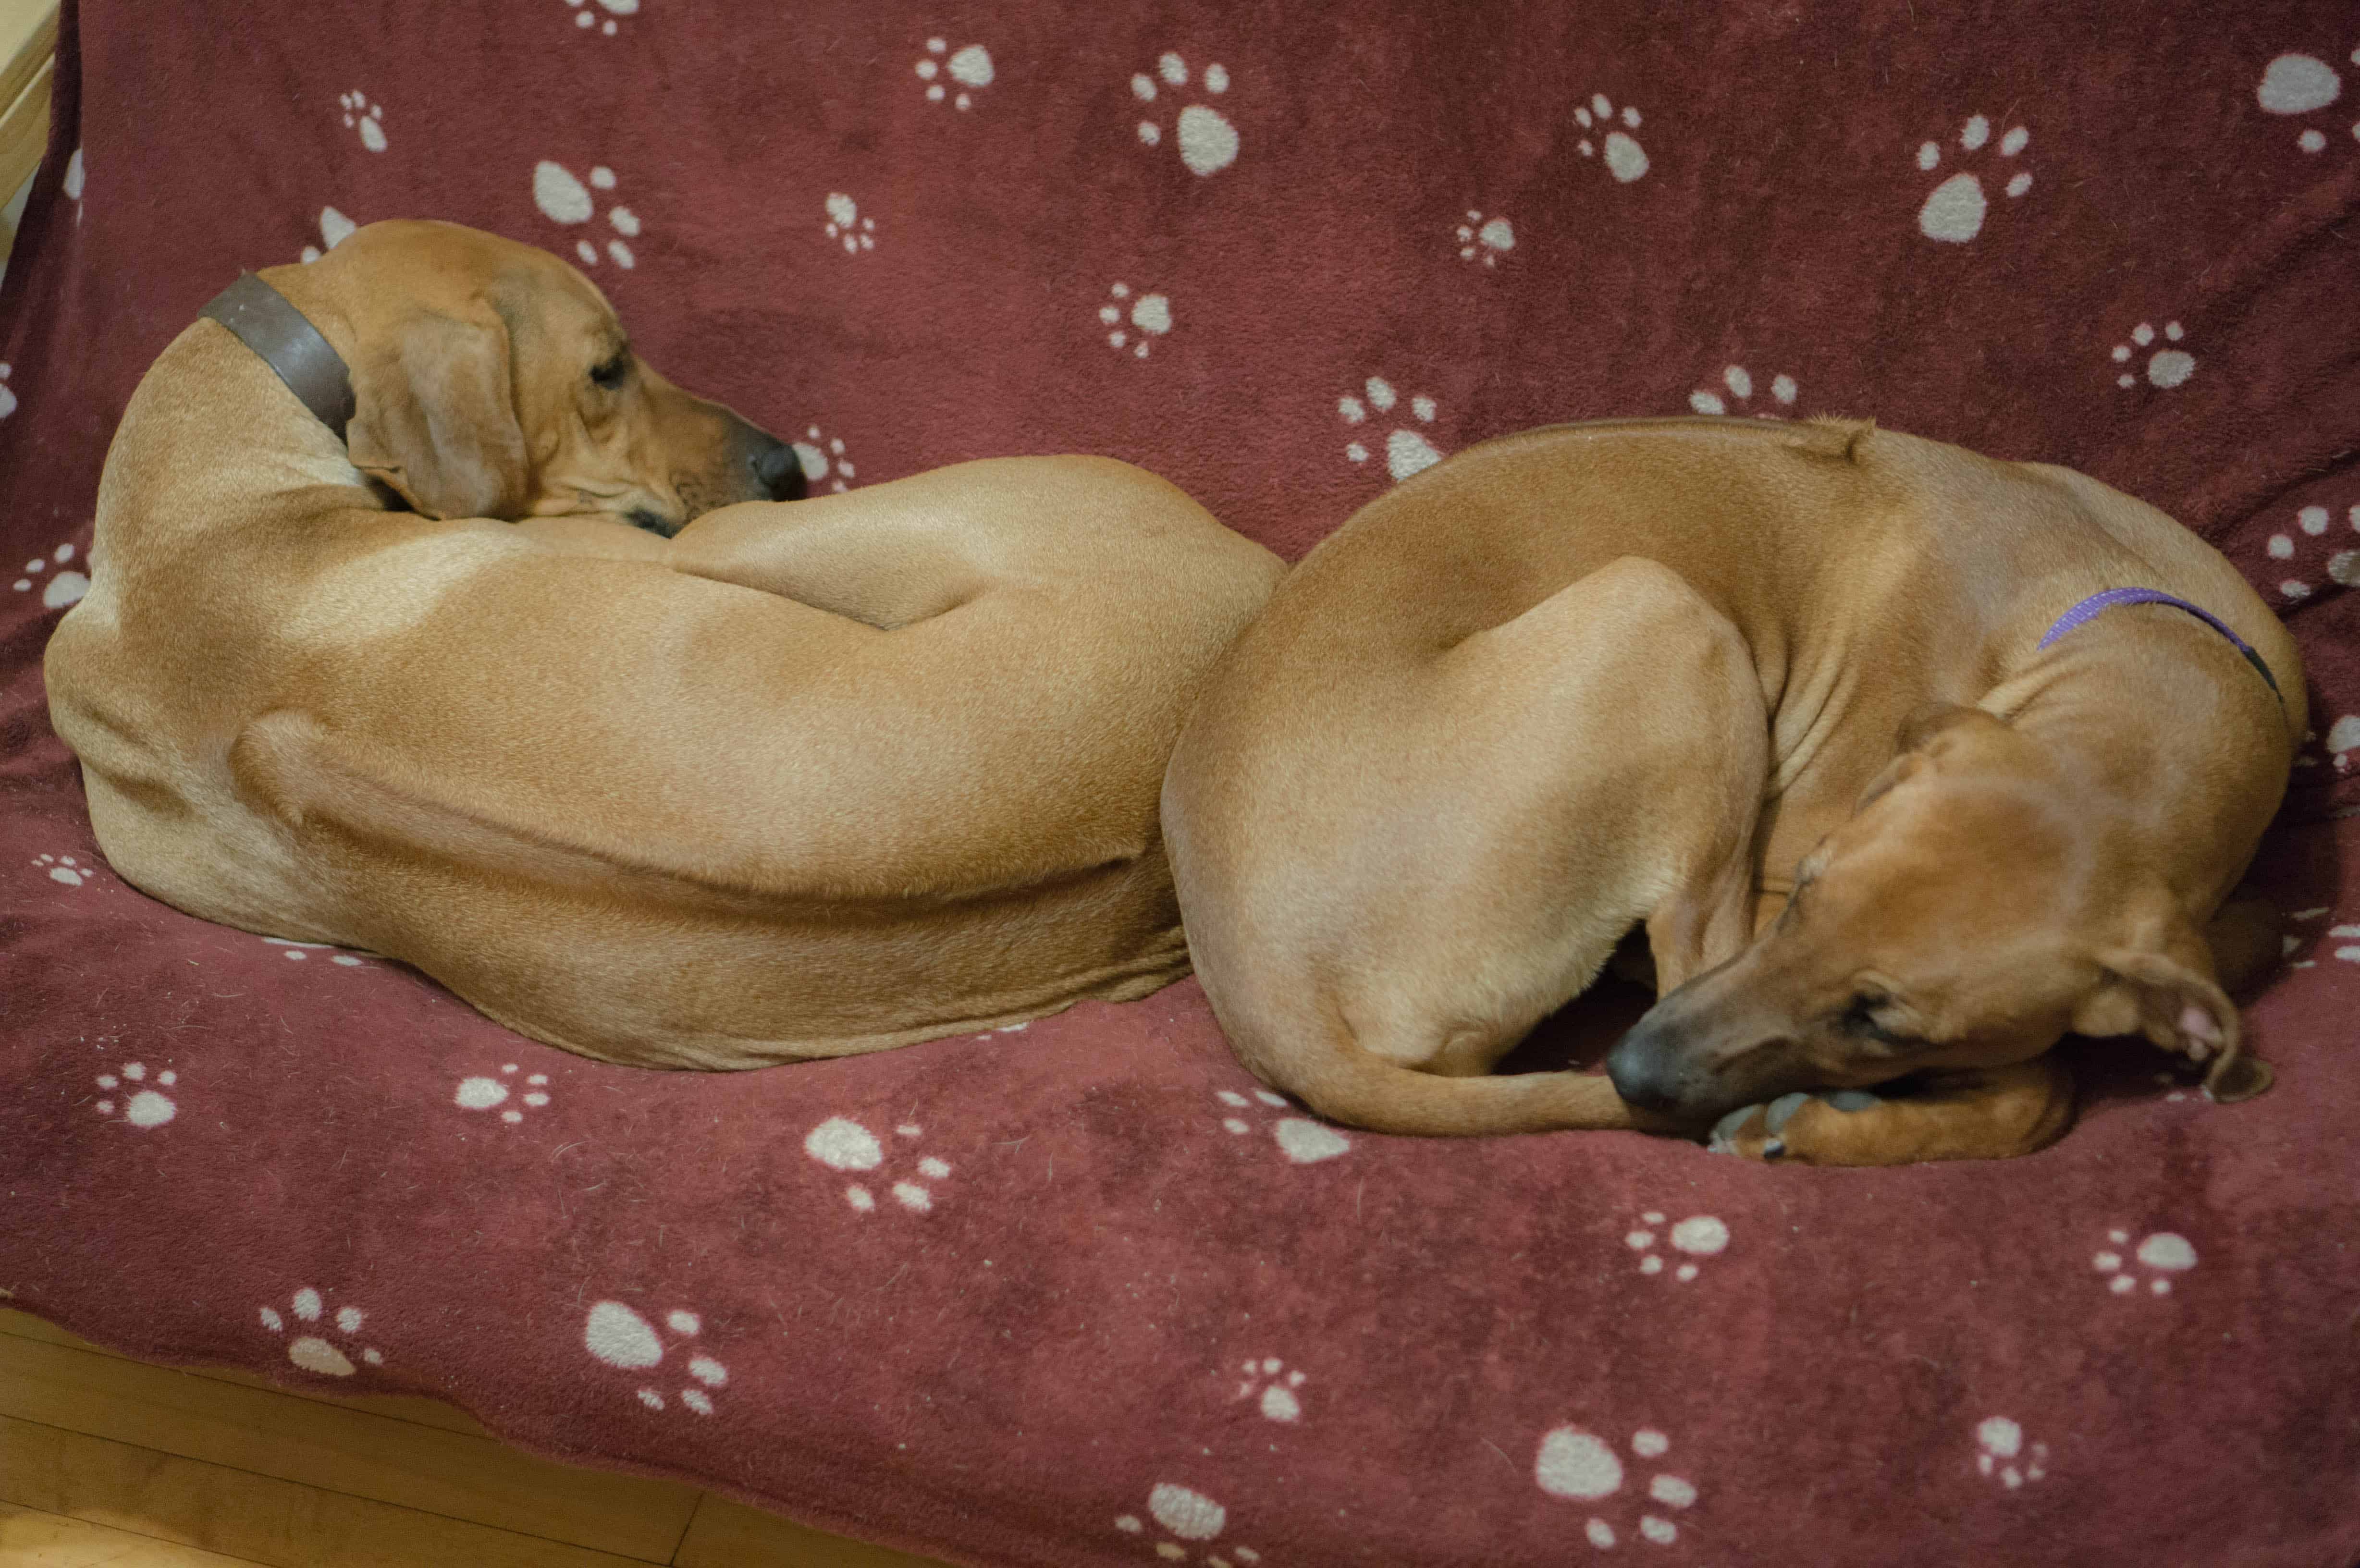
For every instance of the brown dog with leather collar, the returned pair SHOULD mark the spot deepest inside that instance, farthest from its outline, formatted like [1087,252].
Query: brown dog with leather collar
[800,780]
[1653,672]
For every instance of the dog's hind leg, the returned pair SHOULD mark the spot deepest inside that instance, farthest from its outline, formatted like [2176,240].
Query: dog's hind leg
[1596,762]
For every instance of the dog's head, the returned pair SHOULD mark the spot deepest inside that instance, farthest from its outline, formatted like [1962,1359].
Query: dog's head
[1971,911]
[491,379]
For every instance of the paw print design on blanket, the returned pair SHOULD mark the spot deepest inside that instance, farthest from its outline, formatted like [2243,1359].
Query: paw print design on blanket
[2157,1259]
[620,1337]
[59,588]
[1625,159]
[842,1144]
[316,1351]
[1407,451]
[2342,566]
[1490,238]
[2296,84]
[586,16]
[1696,1237]
[335,230]
[142,1100]
[1301,1139]
[1580,1467]
[2168,366]
[1189,1519]
[1149,315]
[565,199]
[2001,1453]
[1739,383]
[1208,142]
[483,1092]
[969,71]
[1954,212]
[364,117]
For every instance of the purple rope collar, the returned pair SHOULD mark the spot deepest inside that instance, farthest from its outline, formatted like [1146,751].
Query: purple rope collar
[2097,604]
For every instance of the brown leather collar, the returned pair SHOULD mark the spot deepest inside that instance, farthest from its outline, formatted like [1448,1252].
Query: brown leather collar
[286,340]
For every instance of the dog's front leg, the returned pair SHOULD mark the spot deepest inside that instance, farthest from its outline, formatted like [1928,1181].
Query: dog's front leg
[1985,1114]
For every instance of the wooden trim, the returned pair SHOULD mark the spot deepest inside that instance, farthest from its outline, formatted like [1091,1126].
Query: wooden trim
[28,47]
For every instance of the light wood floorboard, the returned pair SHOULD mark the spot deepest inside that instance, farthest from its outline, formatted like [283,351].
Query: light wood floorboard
[108,1459]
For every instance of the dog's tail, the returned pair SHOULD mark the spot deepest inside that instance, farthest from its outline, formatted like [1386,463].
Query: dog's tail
[1346,1083]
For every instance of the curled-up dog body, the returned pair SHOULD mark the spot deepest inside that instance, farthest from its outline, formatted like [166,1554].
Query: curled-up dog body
[1906,762]
[427,617]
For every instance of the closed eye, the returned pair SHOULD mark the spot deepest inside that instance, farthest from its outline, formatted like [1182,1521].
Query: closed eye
[609,374]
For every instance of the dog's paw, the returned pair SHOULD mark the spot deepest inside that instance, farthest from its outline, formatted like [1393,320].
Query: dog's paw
[1805,1130]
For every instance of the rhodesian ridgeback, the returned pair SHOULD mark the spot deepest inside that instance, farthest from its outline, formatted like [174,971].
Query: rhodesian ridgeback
[1852,723]
[797,780]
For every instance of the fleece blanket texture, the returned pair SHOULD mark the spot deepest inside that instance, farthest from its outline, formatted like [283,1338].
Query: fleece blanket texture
[1075,1294]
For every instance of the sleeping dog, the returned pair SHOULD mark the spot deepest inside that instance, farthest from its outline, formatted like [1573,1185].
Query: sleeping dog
[1983,746]
[384,647]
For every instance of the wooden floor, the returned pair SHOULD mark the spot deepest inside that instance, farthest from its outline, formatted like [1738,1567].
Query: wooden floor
[109,1460]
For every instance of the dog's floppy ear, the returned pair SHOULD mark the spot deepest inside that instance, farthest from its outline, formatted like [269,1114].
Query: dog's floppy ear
[2176,1004]
[1937,721]
[434,416]
[1918,737]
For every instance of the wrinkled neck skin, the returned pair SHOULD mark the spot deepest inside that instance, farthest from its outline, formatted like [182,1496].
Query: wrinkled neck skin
[2181,746]
[2177,745]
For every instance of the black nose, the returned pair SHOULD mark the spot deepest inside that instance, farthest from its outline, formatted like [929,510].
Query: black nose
[778,472]
[1643,1076]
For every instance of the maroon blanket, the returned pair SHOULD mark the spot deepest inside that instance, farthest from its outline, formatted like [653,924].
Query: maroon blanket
[1076,1294]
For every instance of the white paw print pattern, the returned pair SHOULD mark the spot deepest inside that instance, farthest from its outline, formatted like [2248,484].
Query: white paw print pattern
[316,1352]
[142,1101]
[65,869]
[620,1337]
[2165,1254]
[562,198]
[364,116]
[1280,1391]
[586,16]
[1209,143]
[1583,1467]
[301,951]
[2001,1453]
[1149,313]
[2299,85]
[2167,366]
[2342,744]
[1625,159]
[842,1144]
[1490,238]
[846,227]
[484,1093]
[1954,211]
[335,230]
[2290,944]
[59,589]
[1190,1517]
[1740,382]
[969,71]
[1407,451]
[1301,1139]
[7,397]
[2343,567]
[822,460]
[1698,1236]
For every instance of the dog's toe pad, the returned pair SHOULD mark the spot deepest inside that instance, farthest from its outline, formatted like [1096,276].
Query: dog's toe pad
[1782,1111]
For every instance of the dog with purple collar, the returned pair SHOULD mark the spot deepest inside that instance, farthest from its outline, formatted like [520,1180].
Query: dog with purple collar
[1908,762]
